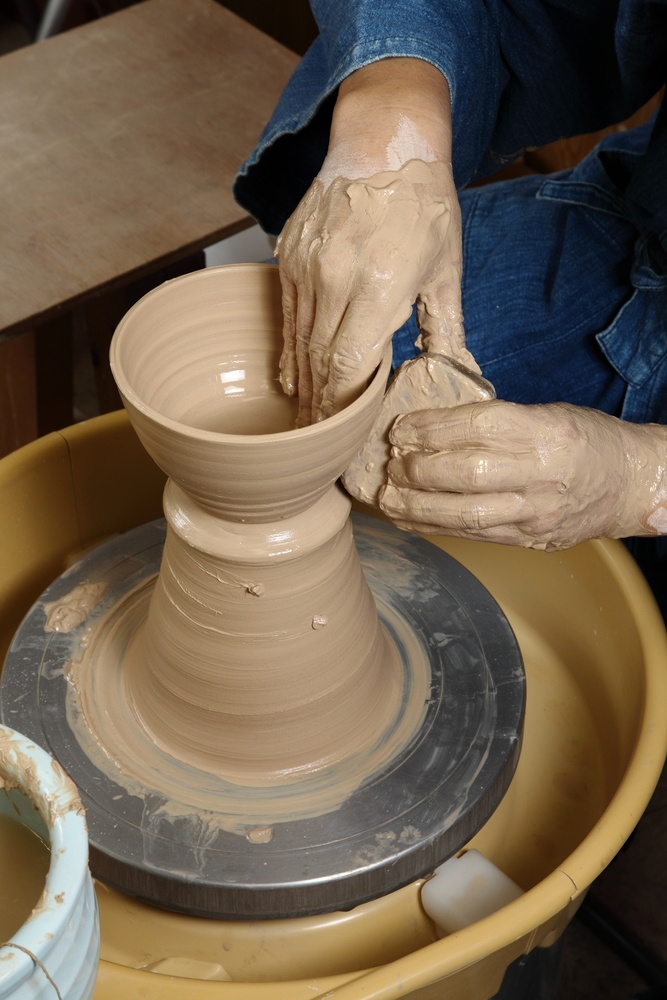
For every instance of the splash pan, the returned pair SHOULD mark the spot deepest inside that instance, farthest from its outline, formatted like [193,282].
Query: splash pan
[203,845]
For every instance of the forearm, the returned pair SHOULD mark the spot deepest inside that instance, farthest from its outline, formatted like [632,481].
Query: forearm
[387,113]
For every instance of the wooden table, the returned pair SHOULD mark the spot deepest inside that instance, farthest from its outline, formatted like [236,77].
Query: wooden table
[119,141]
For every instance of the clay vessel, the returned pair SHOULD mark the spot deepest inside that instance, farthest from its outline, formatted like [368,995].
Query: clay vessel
[262,657]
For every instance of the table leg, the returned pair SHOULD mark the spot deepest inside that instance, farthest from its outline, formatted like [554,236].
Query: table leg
[18,392]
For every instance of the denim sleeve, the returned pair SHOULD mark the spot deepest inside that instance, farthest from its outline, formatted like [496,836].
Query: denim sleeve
[520,72]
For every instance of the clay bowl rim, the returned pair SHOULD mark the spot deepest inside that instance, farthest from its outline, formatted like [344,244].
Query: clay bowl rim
[382,372]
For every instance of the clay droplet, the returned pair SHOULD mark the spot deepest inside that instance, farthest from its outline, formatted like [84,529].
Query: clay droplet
[72,610]
[260,835]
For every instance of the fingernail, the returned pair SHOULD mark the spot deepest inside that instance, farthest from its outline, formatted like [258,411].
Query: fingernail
[396,473]
[402,431]
[389,499]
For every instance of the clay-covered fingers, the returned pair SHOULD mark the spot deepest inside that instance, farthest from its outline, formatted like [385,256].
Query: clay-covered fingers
[486,522]
[337,344]
[305,319]
[377,308]
[458,471]
[462,471]
[545,476]
[469,470]
[489,517]
[493,424]
[296,248]
[439,309]
[289,373]
[350,327]
[303,367]
[314,294]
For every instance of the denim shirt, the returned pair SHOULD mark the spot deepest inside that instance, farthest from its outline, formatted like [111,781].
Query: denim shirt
[520,73]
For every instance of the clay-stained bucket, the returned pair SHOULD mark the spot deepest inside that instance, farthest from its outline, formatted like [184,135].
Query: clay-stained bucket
[54,954]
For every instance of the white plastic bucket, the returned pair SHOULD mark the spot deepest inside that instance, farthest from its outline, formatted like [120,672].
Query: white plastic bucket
[53,955]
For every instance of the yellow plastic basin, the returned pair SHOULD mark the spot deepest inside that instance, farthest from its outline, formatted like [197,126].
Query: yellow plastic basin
[595,652]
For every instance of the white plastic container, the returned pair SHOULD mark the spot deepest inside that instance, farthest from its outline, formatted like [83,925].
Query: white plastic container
[465,889]
[54,955]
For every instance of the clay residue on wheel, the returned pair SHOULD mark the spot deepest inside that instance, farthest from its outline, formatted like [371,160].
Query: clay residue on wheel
[70,611]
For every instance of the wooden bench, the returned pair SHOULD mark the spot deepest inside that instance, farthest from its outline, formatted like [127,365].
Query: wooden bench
[119,141]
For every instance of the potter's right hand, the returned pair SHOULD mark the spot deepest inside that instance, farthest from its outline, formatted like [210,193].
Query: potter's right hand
[544,476]
[378,230]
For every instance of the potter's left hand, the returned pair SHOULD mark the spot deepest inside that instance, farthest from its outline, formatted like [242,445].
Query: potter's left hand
[378,229]
[545,477]
[354,258]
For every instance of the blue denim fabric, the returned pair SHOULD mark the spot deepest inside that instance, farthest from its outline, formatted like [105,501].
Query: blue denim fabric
[521,72]
[563,298]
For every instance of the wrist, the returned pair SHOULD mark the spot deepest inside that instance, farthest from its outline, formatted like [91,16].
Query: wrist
[645,508]
[392,111]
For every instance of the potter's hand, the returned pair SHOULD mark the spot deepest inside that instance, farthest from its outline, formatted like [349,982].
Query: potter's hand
[544,477]
[378,230]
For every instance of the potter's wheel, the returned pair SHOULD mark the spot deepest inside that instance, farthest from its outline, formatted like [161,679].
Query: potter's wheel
[196,850]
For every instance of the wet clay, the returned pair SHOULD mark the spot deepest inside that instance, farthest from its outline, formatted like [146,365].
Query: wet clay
[408,223]
[261,659]
[69,613]
[101,714]
[271,691]
[430,381]
[24,865]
